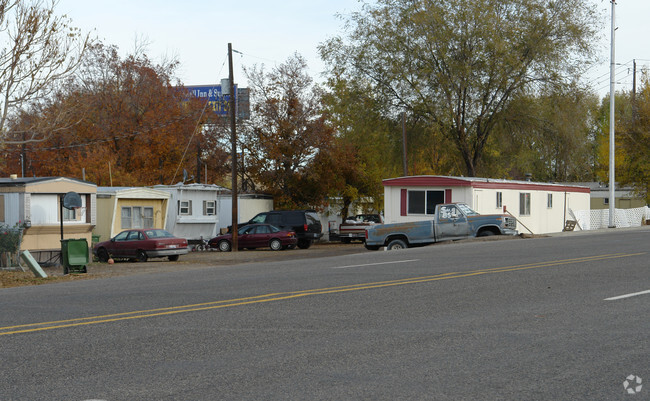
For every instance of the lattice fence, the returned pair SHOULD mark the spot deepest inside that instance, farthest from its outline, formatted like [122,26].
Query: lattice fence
[599,218]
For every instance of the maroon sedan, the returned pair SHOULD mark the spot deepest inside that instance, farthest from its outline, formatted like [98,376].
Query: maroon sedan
[142,244]
[256,236]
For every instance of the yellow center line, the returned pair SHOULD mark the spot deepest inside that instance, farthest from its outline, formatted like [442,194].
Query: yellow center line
[281,296]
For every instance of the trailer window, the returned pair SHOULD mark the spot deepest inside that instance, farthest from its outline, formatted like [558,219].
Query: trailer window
[524,204]
[424,202]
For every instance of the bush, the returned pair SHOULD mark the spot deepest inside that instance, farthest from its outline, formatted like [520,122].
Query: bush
[10,240]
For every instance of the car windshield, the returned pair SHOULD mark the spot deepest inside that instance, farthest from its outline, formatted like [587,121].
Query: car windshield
[466,210]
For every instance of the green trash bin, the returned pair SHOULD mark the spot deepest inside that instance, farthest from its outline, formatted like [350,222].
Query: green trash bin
[74,255]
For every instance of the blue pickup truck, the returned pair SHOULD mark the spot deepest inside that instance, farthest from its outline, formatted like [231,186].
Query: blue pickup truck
[451,221]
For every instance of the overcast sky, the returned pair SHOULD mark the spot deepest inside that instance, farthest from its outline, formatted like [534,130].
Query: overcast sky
[197,33]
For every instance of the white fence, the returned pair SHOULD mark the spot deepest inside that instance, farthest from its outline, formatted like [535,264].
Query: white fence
[599,218]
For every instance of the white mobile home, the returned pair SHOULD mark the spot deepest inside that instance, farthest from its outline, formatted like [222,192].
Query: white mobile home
[539,207]
[193,211]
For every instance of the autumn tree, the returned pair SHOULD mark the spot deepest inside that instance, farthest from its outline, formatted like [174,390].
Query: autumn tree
[287,132]
[38,50]
[459,63]
[130,126]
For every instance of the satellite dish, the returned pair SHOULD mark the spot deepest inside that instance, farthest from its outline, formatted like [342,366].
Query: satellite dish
[71,200]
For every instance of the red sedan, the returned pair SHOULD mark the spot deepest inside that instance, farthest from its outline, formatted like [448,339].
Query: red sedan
[142,244]
[256,236]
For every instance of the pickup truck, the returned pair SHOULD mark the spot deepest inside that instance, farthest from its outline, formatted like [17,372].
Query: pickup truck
[354,227]
[451,221]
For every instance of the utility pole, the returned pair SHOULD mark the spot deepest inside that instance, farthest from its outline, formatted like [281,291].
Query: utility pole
[612,124]
[232,104]
[633,80]
[404,153]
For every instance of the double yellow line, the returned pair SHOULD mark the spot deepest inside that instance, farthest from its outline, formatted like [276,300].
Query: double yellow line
[282,296]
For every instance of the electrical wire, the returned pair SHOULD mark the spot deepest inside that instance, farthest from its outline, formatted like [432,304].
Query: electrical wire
[196,128]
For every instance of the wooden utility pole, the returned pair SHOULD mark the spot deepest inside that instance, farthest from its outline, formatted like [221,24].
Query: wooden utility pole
[404,147]
[233,156]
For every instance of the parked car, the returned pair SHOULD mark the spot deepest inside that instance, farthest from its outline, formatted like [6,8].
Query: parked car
[141,244]
[256,236]
[305,223]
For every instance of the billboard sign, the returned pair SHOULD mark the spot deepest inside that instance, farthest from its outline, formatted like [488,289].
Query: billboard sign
[218,101]
[213,94]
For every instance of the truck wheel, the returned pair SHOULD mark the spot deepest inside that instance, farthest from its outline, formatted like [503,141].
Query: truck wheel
[304,243]
[396,244]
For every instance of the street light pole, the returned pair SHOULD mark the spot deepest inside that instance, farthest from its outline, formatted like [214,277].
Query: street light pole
[612,125]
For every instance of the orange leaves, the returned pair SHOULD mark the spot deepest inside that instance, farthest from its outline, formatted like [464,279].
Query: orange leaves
[124,124]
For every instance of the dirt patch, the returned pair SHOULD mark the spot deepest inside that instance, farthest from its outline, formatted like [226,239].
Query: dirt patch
[191,261]
[202,260]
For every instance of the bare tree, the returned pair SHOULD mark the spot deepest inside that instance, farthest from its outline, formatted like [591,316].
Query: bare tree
[38,50]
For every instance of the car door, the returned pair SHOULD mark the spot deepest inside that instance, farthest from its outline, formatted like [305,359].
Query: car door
[262,236]
[119,247]
[245,237]
[133,242]
[452,223]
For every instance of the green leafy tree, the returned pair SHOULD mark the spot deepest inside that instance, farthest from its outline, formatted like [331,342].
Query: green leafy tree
[458,63]
[551,134]
[632,140]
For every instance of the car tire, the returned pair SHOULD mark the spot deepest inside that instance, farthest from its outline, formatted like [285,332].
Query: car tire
[275,244]
[141,256]
[102,255]
[173,258]
[224,246]
[304,243]
[396,244]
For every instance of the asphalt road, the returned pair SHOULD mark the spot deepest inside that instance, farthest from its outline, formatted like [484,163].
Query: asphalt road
[498,320]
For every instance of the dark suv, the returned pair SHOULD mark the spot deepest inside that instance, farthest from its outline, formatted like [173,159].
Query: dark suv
[305,223]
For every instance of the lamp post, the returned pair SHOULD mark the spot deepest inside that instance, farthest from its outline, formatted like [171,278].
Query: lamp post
[612,125]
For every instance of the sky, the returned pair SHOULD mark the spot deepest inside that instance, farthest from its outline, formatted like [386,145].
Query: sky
[197,33]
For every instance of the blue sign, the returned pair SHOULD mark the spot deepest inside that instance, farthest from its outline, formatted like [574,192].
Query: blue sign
[217,101]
